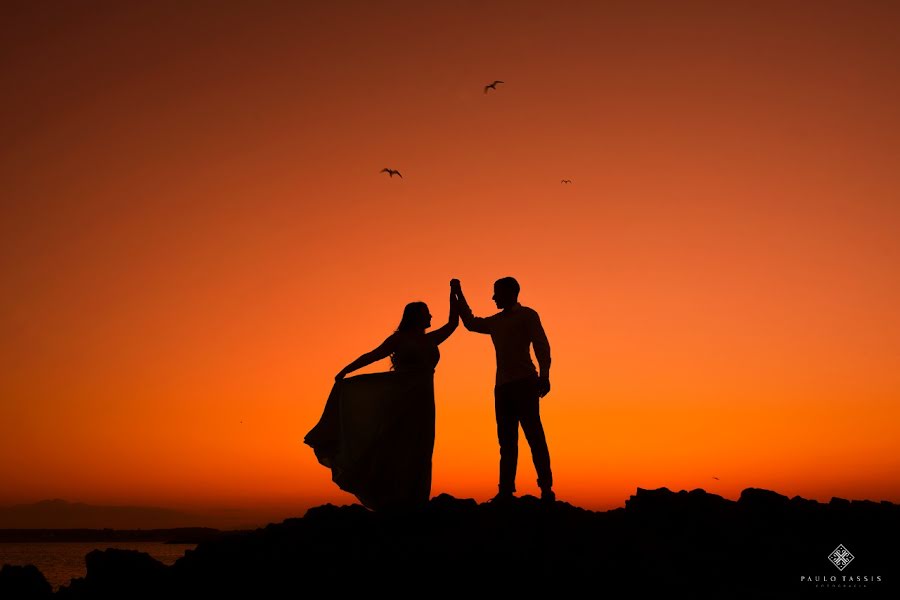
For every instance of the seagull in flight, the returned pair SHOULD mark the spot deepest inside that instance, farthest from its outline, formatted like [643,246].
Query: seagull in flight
[391,172]
[492,86]
[565,181]
[716,478]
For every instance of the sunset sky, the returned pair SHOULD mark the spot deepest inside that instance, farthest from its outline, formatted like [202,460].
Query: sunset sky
[195,237]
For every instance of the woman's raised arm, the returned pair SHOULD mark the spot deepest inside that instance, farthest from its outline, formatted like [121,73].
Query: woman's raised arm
[382,351]
[438,336]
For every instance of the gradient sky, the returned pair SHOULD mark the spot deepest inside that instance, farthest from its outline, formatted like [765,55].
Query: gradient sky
[195,237]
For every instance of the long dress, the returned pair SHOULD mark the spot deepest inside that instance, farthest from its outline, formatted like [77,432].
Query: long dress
[376,433]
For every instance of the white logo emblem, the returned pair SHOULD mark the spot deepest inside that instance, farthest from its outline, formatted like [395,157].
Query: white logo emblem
[840,557]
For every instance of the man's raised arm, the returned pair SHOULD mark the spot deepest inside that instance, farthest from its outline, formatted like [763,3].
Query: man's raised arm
[471,322]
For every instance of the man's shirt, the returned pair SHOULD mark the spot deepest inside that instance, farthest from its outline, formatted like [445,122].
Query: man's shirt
[512,330]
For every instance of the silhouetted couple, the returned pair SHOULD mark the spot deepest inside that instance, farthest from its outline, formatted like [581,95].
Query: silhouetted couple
[376,433]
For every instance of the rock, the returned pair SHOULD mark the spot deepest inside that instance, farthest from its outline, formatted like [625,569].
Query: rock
[23,582]
[115,573]
[661,542]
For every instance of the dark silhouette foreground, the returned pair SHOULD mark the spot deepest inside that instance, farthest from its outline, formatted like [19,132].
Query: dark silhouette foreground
[693,542]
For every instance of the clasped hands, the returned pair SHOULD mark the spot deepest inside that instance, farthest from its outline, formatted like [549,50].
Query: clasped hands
[455,290]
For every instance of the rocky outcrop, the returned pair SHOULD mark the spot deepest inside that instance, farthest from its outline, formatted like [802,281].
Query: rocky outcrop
[693,542]
[23,582]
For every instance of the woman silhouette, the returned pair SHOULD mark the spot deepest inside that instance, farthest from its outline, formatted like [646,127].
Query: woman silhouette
[376,433]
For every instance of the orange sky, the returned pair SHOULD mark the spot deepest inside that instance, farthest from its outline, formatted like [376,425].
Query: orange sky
[195,237]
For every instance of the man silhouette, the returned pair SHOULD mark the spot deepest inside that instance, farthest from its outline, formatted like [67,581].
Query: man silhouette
[518,386]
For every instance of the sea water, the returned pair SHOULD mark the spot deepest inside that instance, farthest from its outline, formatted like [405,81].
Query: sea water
[61,561]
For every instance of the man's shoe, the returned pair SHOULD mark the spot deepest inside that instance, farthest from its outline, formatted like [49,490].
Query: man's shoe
[502,499]
[547,496]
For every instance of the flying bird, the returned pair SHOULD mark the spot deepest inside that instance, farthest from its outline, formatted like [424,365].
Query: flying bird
[565,181]
[716,478]
[492,86]
[392,172]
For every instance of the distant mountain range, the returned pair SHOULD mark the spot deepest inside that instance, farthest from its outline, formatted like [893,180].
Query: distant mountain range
[59,514]
[177,535]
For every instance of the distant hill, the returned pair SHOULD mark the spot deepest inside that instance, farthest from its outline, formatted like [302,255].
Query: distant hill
[669,544]
[59,514]
[180,535]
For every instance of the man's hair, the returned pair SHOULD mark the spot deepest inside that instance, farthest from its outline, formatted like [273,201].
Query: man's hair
[509,284]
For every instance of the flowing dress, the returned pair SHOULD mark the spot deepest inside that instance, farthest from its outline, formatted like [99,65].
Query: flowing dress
[376,433]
